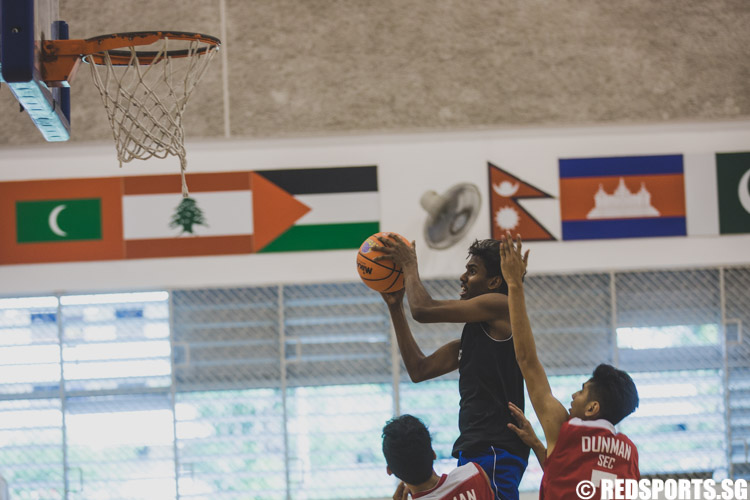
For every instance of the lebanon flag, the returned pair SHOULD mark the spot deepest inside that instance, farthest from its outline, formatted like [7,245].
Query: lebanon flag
[226,213]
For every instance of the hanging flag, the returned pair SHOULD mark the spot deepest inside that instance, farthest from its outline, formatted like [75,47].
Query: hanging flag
[227,213]
[506,214]
[733,182]
[150,203]
[344,207]
[60,220]
[622,197]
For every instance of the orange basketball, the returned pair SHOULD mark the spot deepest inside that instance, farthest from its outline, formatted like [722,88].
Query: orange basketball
[383,275]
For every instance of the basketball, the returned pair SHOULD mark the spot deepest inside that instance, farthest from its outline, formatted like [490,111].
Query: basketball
[381,276]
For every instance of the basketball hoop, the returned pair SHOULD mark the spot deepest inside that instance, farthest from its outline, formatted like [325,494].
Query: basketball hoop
[145,80]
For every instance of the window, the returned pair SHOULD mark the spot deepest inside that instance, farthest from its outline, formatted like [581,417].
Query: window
[335,441]
[229,442]
[283,390]
[660,337]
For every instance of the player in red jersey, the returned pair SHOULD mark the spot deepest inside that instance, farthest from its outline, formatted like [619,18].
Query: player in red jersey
[407,447]
[582,442]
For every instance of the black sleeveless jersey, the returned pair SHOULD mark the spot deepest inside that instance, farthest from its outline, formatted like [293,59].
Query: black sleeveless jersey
[489,377]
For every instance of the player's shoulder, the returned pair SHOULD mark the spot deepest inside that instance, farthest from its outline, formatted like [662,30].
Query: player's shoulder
[471,475]
[602,427]
[590,425]
[494,305]
[491,298]
[625,438]
[465,471]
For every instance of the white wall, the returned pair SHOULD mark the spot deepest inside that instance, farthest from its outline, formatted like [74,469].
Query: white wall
[408,165]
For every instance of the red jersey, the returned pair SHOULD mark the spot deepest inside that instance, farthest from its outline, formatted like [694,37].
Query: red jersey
[587,450]
[462,483]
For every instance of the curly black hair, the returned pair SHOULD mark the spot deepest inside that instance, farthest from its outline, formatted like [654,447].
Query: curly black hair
[489,252]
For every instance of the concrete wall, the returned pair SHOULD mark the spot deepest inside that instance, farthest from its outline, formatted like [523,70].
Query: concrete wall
[331,82]
[294,68]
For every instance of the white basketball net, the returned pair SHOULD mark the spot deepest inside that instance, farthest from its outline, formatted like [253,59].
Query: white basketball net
[145,103]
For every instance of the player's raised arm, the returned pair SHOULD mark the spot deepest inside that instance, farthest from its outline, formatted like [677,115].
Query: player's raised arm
[550,412]
[419,366]
[476,307]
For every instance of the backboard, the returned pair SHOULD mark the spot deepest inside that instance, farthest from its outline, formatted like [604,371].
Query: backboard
[23,26]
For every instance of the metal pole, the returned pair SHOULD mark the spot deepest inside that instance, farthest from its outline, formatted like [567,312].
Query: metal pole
[725,369]
[282,363]
[62,399]
[395,371]
[173,396]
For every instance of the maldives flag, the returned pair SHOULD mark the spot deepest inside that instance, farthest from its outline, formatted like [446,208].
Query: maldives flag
[60,220]
[622,197]
[44,220]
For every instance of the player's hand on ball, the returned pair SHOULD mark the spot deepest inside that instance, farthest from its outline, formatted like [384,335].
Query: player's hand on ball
[512,262]
[396,250]
[376,268]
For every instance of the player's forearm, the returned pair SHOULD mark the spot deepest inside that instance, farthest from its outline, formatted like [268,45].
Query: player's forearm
[410,352]
[523,339]
[549,410]
[540,451]
[419,299]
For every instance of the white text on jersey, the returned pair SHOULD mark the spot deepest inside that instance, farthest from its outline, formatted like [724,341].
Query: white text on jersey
[602,444]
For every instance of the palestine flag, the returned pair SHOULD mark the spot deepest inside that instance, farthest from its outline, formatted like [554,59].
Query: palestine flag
[344,207]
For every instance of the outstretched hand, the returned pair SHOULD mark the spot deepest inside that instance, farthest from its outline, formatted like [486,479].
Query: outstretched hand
[396,250]
[524,430]
[526,433]
[512,262]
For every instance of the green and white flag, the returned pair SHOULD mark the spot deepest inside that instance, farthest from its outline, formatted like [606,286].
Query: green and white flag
[40,221]
[733,180]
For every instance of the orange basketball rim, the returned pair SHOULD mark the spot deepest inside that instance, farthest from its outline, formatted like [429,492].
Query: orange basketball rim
[61,58]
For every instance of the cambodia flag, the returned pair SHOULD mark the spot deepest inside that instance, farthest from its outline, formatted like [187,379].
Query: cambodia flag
[622,197]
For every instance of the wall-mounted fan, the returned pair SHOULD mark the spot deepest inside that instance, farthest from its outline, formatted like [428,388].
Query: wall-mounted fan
[451,214]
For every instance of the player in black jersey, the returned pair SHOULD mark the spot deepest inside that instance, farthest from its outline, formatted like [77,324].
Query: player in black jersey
[489,377]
